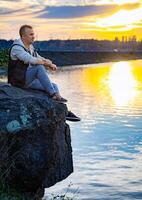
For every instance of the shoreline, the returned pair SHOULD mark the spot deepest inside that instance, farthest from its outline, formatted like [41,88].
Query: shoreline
[68,59]
[82,58]
[3,71]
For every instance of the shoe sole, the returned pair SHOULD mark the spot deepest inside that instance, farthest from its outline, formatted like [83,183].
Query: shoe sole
[59,101]
[73,119]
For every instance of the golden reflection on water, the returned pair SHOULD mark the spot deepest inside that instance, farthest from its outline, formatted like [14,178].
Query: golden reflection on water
[122,83]
[116,84]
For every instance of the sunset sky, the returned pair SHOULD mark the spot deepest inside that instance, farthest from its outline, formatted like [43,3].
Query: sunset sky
[72,19]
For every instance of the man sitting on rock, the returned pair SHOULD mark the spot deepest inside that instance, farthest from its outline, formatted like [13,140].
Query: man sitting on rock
[27,69]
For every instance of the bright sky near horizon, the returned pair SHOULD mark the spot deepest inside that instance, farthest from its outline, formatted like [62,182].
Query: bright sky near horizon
[72,19]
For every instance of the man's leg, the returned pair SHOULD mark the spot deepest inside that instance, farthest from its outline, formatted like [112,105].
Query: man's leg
[56,88]
[37,78]
[33,82]
[36,84]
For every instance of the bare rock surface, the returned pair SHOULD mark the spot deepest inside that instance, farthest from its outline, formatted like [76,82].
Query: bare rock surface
[35,143]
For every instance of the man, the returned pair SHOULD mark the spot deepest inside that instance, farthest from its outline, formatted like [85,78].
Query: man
[27,69]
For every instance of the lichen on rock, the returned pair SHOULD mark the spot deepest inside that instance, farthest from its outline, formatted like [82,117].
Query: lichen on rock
[25,115]
[13,126]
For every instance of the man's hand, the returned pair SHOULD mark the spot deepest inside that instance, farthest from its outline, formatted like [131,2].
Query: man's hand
[47,62]
[50,65]
[53,67]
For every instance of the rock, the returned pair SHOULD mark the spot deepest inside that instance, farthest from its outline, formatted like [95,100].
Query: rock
[35,143]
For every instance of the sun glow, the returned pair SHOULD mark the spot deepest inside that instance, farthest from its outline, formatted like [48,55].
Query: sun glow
[122,83]
[121,18]
[120,2]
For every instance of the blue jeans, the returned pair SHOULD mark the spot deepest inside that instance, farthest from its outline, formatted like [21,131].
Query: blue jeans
[37,78]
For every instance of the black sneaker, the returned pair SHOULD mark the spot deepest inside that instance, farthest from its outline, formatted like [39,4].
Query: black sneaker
[72,117]
[58,98]
[63,100]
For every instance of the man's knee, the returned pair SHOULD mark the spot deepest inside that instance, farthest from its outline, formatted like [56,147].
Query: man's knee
[41,68]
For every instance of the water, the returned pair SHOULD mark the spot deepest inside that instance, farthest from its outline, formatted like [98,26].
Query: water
[107,143]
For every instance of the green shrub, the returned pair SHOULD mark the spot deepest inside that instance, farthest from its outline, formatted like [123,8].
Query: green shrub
[4,57]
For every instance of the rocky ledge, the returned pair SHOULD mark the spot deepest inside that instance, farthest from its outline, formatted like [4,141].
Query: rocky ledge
[35,143]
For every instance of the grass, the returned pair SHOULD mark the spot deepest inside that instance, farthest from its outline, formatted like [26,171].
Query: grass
[14,195]
[65,195]
[6,194]
[11,196]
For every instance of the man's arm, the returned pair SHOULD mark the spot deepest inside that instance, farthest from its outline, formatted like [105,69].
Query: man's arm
[47,63]
[18,52]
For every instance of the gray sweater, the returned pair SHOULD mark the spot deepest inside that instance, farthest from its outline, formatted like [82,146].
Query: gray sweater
[18,52]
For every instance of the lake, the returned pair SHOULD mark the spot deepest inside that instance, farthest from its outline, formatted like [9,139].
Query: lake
[107,143]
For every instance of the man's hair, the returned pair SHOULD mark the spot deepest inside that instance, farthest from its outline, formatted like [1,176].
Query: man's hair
[23,28]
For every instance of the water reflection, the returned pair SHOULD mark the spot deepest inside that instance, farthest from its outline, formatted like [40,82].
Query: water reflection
[107,143]
[122,83]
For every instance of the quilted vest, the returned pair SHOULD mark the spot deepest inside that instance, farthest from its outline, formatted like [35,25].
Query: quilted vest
[17,69]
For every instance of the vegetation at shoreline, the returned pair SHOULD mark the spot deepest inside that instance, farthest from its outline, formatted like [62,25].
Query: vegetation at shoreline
[10,196]
[4,57]
[77,58]
[14,195]
[7,194]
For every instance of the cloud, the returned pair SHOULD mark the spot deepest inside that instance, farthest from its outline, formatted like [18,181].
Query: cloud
[66,12]
[112,2]
[61,12]
[10,1]
[40,8]
[6,11]
[82,2]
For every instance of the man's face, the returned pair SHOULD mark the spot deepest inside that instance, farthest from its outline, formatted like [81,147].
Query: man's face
[28,36]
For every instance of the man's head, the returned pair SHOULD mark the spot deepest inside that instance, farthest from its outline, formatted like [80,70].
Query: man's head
[27,34]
